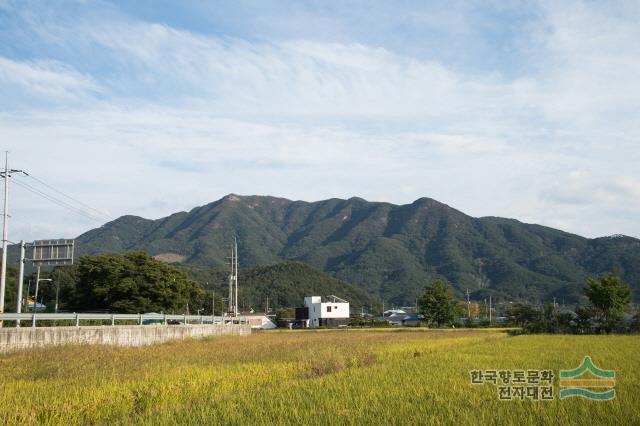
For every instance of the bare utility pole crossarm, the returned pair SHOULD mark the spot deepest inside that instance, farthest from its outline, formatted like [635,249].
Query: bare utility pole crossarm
[6,174]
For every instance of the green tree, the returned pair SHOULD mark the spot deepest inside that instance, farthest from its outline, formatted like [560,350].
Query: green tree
[11,290]
[584,319]
[209,303]
[522,315]
[549,323]
[63,282]
[438,305]
[610,297]
[285,313]
[635,323]
[133,283]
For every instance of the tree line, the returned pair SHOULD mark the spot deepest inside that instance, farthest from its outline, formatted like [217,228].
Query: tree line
[133,282]
[608,310]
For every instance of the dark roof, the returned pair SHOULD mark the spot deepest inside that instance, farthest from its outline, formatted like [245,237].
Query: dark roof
[413,317]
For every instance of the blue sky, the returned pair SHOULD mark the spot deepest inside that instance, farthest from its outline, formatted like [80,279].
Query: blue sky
[519,109]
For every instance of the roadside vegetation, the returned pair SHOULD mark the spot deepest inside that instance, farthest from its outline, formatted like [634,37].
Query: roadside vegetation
[133,283]
[137,283]
[607,309]
[306,377]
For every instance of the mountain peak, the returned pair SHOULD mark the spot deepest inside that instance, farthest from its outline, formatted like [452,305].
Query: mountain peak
[428,202]
[386,249]
[232,197]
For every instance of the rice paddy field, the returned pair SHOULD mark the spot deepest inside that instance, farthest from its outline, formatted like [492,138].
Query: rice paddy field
[351,377]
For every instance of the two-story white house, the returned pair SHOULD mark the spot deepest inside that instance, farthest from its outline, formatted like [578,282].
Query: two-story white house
[330,311]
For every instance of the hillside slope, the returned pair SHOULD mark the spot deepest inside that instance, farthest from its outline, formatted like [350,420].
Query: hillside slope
[285,284]
[388,250]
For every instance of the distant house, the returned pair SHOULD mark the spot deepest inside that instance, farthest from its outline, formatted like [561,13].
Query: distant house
[412,320]
[402,319]
[330,311]
[390,312]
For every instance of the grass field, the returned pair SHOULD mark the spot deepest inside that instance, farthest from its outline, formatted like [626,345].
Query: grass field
[329,377]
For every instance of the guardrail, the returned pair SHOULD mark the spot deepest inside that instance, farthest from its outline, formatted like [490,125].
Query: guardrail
[165,319]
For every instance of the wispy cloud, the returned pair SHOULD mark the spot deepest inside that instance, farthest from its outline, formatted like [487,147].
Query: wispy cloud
[126,100]
[46,80]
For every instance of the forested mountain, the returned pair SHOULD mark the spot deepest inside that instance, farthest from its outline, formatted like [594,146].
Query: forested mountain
[388,250]
[284,284]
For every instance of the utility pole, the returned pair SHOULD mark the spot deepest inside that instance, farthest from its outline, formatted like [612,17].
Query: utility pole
[57,292]
[213,302]
[26,305]
[5,231]
[35,295]
[20,280]
[38,279]
[490,309]
[5,228]
[468,306]
[230,301]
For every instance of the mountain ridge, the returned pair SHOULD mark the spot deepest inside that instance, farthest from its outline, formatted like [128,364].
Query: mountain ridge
[389,250]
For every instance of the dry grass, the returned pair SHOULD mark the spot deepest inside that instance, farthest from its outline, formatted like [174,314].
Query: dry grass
[330,377]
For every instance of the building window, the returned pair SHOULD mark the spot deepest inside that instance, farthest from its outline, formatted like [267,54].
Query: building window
[336,307]
[328,308]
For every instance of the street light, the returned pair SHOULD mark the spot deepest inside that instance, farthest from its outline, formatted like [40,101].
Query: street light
[35,296]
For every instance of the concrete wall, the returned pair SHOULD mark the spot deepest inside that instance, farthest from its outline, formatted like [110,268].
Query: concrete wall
[123,335]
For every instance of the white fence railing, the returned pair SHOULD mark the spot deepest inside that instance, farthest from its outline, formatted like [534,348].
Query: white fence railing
[141,319]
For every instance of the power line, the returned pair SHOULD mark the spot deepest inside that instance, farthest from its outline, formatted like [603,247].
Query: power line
[84,207]
[69,197]
[58,202]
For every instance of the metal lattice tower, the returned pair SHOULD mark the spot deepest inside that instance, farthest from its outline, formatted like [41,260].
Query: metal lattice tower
[233,280]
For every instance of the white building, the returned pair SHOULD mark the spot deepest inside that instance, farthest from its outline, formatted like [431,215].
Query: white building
[330,312]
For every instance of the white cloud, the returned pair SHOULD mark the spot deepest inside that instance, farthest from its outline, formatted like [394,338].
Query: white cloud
[188,118]
[46,78]
[584,188]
